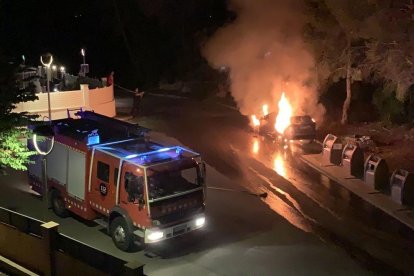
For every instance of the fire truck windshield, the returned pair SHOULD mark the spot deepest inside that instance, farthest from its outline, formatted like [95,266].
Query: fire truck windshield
[164,183]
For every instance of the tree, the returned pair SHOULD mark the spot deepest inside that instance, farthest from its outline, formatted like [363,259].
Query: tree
[390,48]
[13,150]
[373,37]
[337,31]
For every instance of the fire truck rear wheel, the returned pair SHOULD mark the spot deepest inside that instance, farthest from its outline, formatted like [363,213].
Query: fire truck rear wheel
[121,235]
[58,204]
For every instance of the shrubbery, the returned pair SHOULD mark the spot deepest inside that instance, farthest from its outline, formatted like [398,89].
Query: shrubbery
[390,109]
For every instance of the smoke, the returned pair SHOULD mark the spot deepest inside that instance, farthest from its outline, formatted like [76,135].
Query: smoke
[266,55]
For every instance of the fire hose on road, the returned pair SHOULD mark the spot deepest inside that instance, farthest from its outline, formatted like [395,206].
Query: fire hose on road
[261,195]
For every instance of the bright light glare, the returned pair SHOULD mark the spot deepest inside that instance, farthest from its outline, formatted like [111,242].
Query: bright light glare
[265,109]
[255,121]
[163,149]
[62,68]
[155,236]
[34,139]
[131,156]
[200,221]
[83,52]
[284,114]
[256,146]
[46,64]
[279,165]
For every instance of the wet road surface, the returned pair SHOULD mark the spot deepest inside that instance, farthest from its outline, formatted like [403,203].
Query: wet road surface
[307,225]
[308,200]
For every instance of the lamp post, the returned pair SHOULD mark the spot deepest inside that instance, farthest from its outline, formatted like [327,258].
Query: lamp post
[62,73]
[47,65]
[48,132]
[83,55]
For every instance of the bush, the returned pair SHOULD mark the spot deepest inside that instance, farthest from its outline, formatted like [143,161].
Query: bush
[389,107]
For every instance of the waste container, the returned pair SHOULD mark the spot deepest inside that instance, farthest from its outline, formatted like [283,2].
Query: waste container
[402,187]
[376,173]
[353,160]
[332,150]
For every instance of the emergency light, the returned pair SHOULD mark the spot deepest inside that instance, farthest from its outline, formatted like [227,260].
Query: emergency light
[93,138]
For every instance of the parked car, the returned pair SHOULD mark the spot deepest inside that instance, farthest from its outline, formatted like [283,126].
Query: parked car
[300,128]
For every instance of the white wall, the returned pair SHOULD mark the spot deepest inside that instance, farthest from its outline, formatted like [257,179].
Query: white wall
[100,100]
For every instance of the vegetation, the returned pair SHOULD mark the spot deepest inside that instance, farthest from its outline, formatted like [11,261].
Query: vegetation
[13,149]
[369,41]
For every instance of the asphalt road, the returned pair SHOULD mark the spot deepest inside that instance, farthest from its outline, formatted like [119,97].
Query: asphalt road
[304,197]
[307,225]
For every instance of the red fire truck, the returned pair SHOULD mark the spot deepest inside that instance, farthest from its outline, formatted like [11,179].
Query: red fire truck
[109,171]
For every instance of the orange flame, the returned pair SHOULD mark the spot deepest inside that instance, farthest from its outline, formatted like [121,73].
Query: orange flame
[255,121]
[284,114]
[265,109]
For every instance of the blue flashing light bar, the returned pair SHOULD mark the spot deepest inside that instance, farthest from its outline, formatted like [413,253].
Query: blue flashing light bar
[93,139]
[144,155]
[163,149]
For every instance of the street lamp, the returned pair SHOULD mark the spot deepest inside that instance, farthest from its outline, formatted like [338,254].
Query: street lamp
[83,55]
[54,68]
[47,65]
[62,72]
[45,131]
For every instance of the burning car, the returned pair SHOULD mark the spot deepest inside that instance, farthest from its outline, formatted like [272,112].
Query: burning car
[299,127]
[283,125]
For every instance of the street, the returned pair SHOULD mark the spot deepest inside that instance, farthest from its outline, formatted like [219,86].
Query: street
[306,225]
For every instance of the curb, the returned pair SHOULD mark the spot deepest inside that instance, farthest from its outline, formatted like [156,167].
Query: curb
[398,212]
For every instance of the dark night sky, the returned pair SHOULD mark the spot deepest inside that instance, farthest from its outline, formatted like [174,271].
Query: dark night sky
[152,38]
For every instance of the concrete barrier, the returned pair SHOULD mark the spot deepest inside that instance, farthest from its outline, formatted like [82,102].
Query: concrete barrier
[38,248]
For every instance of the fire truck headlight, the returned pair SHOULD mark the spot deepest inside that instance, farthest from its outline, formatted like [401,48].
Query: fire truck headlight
[157,235]
[200,221]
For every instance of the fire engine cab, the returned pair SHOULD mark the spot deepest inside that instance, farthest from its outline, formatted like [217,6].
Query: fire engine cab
[109,171]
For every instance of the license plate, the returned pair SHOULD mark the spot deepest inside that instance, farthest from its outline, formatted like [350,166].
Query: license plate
[179,229]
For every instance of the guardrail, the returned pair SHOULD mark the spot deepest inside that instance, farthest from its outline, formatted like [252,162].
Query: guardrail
[38,248]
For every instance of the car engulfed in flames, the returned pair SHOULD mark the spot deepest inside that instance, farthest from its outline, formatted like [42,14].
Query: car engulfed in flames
[284,125]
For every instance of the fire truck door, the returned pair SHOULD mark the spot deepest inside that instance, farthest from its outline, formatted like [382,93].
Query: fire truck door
[132,192]
[103,182]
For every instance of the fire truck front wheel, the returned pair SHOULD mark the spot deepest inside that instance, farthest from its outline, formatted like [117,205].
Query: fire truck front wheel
[121,235]
[58,204]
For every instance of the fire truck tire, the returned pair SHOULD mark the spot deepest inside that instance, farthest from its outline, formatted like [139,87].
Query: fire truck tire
[58,205]
[121,233]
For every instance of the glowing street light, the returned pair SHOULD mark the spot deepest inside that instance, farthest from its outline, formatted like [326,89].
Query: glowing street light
[49,141]
[83,55]
[47,65]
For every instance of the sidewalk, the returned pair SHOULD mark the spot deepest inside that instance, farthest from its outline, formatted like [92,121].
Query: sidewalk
[357,186]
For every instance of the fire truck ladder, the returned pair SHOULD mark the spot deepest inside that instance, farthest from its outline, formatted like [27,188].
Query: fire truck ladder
[116,125]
